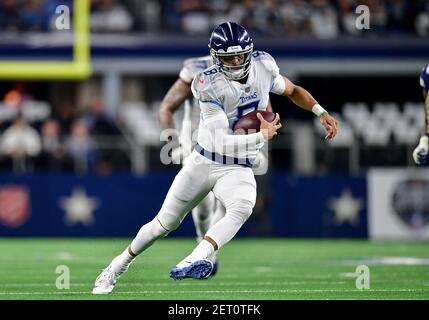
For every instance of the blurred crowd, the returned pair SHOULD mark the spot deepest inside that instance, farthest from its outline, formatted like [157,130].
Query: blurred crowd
[29,15]
[313,18]
[323,19]
[40,15]
[67,139]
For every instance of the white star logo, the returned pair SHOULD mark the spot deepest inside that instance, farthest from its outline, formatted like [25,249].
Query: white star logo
[79,207]
[346,208]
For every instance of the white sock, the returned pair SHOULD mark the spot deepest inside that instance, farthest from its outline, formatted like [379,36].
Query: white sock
[202,251]
[122,261]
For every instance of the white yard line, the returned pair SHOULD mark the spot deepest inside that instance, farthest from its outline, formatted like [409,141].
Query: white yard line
[86,284]
[217,291]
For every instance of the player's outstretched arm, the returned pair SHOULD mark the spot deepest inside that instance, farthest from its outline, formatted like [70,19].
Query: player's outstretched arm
[305,100]
[174,98]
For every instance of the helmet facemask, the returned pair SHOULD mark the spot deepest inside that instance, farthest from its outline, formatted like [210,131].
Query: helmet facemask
[233,72]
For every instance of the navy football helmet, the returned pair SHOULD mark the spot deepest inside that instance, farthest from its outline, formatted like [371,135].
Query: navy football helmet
[227,40]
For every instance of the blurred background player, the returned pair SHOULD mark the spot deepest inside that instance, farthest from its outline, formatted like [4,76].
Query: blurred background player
[421,152]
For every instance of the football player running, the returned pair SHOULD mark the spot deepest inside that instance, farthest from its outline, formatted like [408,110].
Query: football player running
[209,210]
[240,80]
[421,152]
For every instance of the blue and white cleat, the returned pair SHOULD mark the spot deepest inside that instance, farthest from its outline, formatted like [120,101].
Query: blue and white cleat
[200,269]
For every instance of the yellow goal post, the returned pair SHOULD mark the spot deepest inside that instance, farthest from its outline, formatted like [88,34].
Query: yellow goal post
[78,68]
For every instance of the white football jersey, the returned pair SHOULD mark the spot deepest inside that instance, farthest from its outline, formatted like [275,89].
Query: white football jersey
[191,111]
[191,67]
[212,88]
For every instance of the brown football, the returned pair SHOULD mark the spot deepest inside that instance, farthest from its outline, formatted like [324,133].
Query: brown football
[251,122]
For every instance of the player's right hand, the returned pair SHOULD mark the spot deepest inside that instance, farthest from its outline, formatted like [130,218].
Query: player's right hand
[421,152]
[269,129]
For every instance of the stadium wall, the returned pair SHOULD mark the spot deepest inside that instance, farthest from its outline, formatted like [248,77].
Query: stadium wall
[384,204]
[117,205]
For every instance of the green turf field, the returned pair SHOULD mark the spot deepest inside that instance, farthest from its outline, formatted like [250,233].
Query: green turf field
[249,269]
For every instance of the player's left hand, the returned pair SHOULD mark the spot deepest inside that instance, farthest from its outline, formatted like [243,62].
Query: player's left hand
[330,124]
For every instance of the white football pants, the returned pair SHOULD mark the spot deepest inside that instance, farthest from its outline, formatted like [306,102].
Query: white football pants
[233,185]
[207,213]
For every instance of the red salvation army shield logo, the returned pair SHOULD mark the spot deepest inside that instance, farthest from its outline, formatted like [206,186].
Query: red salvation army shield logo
[14,206]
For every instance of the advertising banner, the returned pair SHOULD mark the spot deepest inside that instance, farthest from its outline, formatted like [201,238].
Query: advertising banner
[398,204]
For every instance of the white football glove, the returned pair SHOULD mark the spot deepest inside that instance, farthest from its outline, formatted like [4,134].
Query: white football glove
[421,152]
